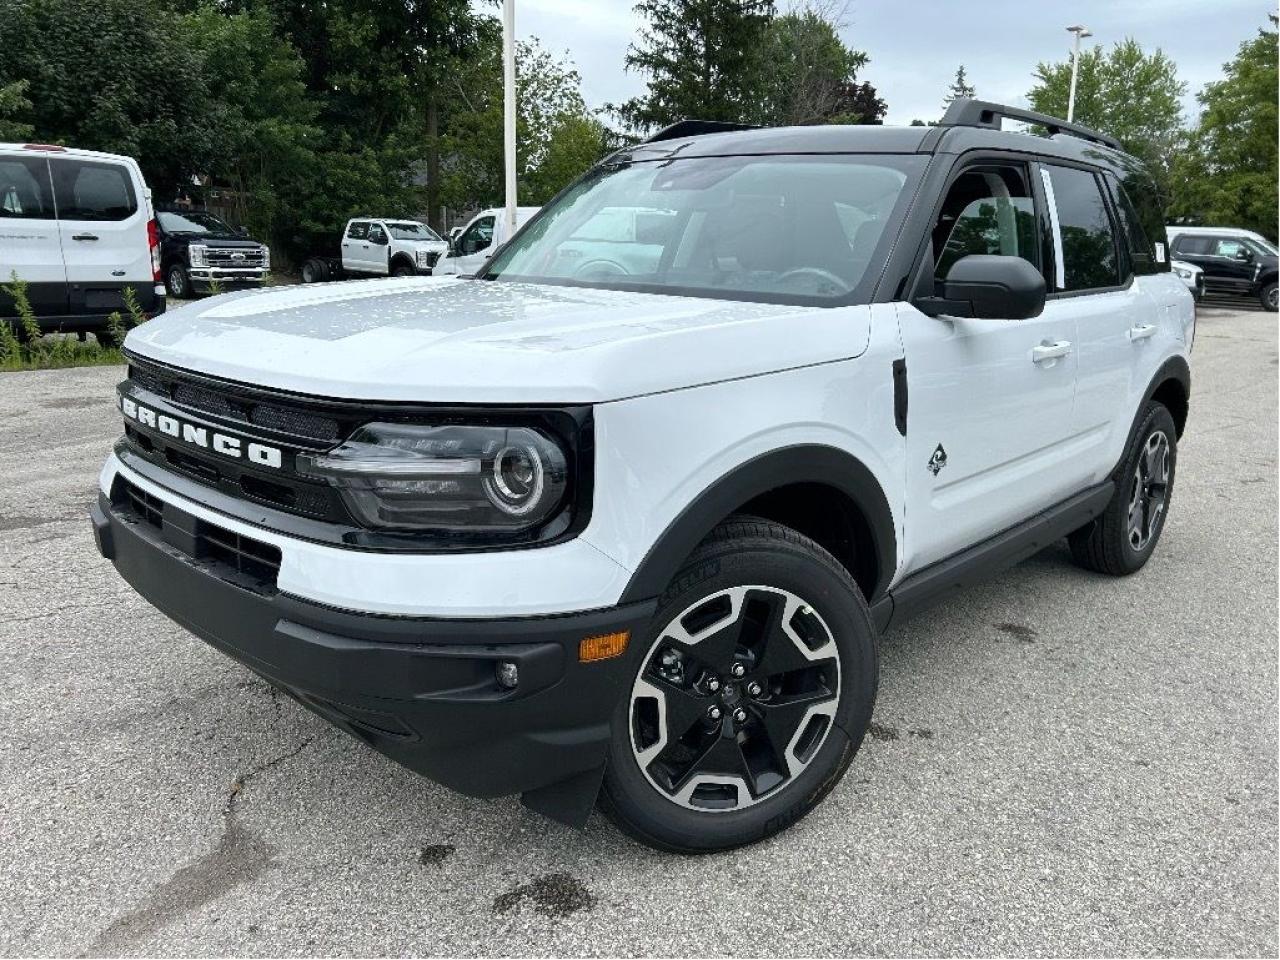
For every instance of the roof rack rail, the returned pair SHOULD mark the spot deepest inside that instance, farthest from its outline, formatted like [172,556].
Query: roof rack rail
[982,113]
[696,128]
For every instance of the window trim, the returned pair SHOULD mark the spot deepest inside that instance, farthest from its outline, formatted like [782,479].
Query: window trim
[1127,278]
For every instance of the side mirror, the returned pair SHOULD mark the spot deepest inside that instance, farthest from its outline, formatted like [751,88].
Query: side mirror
[242,231]
[989,288]
[454,233]
[1244,254]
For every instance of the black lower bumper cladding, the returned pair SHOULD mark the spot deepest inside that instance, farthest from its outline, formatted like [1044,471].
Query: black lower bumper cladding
[422,691]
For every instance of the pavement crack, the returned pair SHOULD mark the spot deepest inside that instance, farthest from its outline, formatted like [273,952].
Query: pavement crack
[239,783]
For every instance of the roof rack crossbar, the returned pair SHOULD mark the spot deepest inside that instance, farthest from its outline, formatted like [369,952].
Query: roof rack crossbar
[964,112]
[696,128]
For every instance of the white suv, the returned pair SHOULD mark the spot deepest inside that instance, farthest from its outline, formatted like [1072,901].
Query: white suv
[78,227]
[633,537]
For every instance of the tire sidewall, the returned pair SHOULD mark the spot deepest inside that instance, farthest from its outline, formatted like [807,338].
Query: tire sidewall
[1267,297]
[790,567]
[182,289]
[1157,417]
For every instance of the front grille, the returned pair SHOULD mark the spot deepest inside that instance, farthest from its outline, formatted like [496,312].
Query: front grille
[227,257]
[233,557]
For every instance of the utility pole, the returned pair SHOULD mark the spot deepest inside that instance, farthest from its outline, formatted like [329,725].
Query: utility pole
[509,108]
[1080,32]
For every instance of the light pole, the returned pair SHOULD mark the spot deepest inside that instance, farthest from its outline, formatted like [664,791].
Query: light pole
[509,109]
[1080,32]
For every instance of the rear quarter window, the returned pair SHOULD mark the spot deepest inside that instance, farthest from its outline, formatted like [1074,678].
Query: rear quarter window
[91,190]
[24,188]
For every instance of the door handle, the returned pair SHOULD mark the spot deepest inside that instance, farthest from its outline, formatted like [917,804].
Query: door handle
[84,236]
[1142,331]
[1050,351]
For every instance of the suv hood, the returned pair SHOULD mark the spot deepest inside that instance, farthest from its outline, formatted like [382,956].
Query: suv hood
[447,340]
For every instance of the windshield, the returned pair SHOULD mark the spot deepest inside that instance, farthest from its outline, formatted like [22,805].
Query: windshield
[786,229]
[412,231]
[192,222]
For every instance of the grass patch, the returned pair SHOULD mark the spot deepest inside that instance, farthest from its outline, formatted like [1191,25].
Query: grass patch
[24,346]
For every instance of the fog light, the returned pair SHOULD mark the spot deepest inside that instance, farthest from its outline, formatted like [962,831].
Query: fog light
[507,674]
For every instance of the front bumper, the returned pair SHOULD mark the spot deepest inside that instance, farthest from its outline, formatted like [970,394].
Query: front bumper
[228,278]
[420,690]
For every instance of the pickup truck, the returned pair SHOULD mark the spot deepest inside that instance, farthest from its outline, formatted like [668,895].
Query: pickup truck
[371,246]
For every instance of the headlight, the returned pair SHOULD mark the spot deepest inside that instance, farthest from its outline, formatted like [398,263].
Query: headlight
[266,258]
[454,479]
[198,255]
[423,257]
[1184,274]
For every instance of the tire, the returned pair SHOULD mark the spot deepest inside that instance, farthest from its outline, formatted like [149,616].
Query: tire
[1270,297]
[1121,540]
[744,578]
[177,283]
[402,268]
[314,270]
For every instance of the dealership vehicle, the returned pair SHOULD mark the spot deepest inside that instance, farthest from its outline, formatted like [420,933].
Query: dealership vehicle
[1236,262]
[377,247]
[77,226]
[1191,275]
[632,538]
[200,252]
[472,245]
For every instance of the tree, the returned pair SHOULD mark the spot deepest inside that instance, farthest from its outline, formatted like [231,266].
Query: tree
[811,75]
[113,75]
[1127,93]
[1227,175]
[14,104]
[960,88]
[703,59]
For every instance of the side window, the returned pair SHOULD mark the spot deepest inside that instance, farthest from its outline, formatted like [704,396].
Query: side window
[477,237]
[377,234]
[24,188]
[1187,245]
[988,210]
[1228,247]
[1141,252]
[359,230]
[88,190]
[1089,257]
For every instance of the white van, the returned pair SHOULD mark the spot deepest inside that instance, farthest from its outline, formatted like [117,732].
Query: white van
[472,245]
[79,228]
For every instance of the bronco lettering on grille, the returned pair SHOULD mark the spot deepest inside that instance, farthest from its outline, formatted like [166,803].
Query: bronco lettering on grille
[227,445]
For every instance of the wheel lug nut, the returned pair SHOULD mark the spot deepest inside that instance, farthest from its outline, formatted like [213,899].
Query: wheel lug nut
[755,689]
[713,684]
[739,669]
[714,713]
[740,715]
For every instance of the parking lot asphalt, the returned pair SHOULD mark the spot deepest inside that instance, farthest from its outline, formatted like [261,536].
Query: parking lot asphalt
[1061,763]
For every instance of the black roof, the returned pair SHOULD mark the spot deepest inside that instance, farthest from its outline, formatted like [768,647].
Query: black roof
[968,125]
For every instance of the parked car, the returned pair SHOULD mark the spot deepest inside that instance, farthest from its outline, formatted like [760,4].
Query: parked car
[633,539]
[472,245]
[77,226]
[200,252]
[378,247]
[1236,262]
[1191,275]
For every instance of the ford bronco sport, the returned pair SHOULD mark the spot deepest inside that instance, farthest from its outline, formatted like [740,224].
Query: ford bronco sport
[599,535]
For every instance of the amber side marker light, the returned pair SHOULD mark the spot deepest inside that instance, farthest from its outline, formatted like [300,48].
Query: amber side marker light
[604,647]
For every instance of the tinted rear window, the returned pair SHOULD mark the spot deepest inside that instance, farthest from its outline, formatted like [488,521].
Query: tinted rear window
[24,188]
[1088,245]
[90,190]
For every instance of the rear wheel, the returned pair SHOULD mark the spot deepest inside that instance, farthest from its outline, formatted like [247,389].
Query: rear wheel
[753,692]
[1122,539]
[314,271]
[1270,297]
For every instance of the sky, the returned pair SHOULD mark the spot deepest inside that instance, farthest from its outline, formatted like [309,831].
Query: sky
[916,45]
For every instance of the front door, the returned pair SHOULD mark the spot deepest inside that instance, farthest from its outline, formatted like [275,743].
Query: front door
[989,436]
[30,248]
[474,244]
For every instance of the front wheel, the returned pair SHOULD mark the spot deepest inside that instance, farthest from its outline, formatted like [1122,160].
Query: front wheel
[1270,297]
[1122,539]
[402,269]
[753,691]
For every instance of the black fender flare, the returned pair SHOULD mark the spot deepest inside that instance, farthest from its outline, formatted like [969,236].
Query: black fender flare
[1175,368]
[807,463]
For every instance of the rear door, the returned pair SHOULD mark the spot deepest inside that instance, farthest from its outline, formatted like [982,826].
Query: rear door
[990,438]
[102,224]
[30,248]
[355,247]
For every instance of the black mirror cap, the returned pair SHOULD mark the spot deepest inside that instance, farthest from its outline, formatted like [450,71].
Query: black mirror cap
[989,288]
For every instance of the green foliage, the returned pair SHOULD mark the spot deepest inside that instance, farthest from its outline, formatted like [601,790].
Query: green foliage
[703,59]
[24,346]
[1227,175]
[1132,95]
[810,76]
[13,105]
[960,88]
